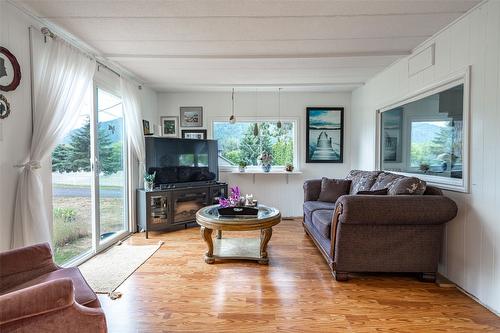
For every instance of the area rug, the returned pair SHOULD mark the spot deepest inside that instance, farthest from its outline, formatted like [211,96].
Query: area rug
[108,270]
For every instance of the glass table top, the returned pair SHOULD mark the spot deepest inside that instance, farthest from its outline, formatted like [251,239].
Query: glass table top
[264,213]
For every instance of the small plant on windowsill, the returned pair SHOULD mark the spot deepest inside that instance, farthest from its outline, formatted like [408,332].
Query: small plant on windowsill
[242,165]
[149,181]
[424,167]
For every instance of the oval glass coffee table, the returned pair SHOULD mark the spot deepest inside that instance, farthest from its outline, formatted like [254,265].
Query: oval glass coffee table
[237,248]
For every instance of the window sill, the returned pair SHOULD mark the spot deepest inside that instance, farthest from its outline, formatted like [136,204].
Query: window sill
[272,172]
[256,171]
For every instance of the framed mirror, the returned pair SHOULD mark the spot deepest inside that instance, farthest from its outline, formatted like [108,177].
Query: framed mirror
[10,72]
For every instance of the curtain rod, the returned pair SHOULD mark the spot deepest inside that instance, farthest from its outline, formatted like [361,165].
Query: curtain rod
[47,33]
[71,40]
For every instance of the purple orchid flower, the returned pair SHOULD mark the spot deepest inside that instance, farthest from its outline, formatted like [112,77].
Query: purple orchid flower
[233,199]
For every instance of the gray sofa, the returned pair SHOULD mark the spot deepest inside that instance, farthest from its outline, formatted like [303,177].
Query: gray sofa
[398,232]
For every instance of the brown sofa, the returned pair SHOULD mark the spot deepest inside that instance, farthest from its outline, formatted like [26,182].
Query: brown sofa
[398,232]
[36,295]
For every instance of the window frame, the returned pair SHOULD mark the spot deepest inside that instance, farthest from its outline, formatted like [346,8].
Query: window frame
[294,120]
[451,184]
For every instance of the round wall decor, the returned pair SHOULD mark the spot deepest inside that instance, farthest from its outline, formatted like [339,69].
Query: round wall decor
[4,107]
[10,72]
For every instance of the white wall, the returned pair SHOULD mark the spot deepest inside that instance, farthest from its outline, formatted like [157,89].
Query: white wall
[15,130]
[269,189]
[471,256]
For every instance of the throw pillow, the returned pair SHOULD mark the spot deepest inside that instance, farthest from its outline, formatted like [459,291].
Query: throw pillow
[332,189]
[407,185]
[374,192]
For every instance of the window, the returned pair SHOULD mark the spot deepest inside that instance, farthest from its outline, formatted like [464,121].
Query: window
[425,137]
[239,144]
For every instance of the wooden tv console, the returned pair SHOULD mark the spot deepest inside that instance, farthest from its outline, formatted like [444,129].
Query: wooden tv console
[161,209]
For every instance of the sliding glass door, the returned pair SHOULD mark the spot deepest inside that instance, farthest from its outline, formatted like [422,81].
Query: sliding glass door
[110,161]
[89,180]
[72,188]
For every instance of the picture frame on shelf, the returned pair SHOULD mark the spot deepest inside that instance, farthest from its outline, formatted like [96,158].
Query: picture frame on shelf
[169,126]
[199,134]
[191,116]
[146,128]
[324,135]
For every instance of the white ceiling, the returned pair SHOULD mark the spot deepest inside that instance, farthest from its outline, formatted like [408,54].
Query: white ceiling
[219,44]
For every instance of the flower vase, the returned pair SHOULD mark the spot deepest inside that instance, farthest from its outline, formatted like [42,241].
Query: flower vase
[148,186]
[266,167]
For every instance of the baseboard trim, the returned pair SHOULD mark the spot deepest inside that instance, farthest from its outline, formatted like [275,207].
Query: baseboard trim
[443,282]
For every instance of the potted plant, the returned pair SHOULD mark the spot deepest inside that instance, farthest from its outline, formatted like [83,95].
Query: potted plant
[149,181]
[266,160]
[242,166]
[424,167]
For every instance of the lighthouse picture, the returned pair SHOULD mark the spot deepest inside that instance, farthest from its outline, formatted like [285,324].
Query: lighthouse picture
[324,137]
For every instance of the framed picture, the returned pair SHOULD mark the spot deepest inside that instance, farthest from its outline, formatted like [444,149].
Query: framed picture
[325,135]
[191,116]
[392,126]
[10,71]
[146,128]
[4,107]
[170,126]
[194,134]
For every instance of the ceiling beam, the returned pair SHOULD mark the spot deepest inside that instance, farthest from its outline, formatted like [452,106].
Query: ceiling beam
[396,53]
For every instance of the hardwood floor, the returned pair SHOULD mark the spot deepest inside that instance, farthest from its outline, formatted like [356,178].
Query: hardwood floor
[176,291]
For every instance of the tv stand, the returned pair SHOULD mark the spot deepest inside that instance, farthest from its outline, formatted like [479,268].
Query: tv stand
[162,209]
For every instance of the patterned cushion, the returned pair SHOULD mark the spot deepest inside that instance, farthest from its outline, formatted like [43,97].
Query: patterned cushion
[407,185]
[384,180]
[362,180]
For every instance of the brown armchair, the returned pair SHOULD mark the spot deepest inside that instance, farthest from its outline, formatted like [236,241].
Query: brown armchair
[36,295]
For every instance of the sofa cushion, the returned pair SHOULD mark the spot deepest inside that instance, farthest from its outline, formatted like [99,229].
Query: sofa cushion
[311,206]
[322,221]
[407,185]
[332,189]
[362,180]
[83,294]
[374,192]
[384,180]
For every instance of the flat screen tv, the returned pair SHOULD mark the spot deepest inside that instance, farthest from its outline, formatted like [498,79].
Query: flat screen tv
[182,161]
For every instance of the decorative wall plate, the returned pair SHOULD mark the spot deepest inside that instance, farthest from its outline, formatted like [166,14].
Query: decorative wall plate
[4,107]
[10,72]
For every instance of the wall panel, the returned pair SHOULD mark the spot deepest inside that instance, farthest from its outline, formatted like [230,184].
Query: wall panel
[471,253]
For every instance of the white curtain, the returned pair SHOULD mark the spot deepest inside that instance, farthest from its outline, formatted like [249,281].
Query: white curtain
[62,76]
[133,121]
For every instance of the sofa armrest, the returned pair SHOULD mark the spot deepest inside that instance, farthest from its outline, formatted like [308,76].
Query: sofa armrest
[312,189]
[20,265]
[39,299]
[397,209]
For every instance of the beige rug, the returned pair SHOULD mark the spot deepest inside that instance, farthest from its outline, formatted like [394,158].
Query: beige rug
[108,270]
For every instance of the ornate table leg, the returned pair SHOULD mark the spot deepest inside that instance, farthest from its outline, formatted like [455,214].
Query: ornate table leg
[206,234]
[219,234]
[265,236]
